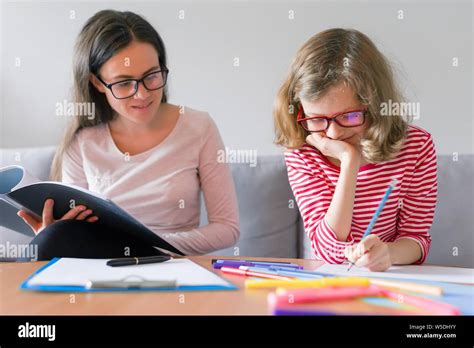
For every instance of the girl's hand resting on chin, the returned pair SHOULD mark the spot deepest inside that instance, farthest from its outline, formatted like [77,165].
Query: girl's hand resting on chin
[341,150]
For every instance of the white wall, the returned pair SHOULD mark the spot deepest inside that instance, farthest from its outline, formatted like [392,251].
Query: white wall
[201,51]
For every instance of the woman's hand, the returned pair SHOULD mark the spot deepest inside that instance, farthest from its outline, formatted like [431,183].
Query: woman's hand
[79,212]
[371,252]
[339,149]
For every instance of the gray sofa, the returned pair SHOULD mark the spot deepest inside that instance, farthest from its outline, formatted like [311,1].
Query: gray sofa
[269,218]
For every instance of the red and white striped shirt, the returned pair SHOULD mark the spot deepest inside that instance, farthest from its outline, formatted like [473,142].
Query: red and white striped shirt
[408,212]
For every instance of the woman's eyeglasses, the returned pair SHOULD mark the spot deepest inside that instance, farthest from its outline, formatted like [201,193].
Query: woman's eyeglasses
[320,123]
[129,87]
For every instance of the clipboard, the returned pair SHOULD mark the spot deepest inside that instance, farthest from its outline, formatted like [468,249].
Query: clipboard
[182,267]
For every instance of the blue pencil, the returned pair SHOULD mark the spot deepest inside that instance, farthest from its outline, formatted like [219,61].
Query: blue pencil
[377,213]
[286,273]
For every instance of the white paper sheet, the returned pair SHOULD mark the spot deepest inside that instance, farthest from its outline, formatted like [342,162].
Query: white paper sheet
[77,272]
[412,272]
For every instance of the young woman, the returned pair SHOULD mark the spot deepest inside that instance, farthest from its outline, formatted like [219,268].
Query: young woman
[342,154]
[150,157]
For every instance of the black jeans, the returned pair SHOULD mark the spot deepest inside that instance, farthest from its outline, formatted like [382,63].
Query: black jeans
[82,239]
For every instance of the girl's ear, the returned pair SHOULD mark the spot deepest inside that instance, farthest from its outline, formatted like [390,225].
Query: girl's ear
[97,84]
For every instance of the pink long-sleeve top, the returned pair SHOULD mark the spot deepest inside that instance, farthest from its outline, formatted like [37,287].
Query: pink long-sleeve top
[408,213]
[161,186]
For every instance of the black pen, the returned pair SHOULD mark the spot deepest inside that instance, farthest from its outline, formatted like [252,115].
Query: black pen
[128,261]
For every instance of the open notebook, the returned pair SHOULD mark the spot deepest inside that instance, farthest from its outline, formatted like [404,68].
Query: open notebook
[20,190]
[73,274]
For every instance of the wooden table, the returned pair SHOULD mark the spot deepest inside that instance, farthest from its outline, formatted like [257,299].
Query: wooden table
[14,301]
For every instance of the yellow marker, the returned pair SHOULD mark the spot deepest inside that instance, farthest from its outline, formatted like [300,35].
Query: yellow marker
[342,281]
[310,283]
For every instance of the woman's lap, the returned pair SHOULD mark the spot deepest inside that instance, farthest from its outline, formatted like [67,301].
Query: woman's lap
[79,238]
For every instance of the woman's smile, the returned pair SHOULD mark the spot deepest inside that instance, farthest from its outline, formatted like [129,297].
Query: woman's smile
[142,107]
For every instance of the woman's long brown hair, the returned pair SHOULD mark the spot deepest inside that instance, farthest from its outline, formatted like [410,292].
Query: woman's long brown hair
[104,35]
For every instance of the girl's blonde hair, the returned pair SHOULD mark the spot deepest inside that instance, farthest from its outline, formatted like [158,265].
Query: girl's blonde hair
[105,34]
[348,56]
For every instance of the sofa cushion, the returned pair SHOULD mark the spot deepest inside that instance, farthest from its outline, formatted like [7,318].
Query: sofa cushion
[452,231]
[37,161]
[268,214]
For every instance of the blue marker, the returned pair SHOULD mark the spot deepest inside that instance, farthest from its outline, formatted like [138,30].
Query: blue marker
[304,312]
[230,263]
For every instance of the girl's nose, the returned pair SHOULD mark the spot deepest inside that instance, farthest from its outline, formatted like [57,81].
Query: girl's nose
[334,131]
[142,92]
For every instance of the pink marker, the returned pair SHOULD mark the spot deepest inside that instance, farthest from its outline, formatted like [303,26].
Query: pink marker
[243,272]
[284,297]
